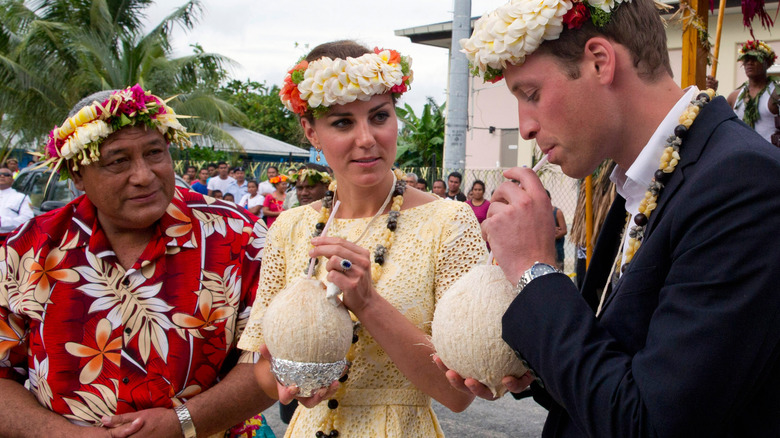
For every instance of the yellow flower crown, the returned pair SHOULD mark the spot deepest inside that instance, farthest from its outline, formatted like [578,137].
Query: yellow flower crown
[320,84]
[312,175]
[80,136]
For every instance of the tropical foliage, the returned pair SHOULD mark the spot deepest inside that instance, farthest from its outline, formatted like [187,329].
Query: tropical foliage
[265,112]
[421,139]
[55,52]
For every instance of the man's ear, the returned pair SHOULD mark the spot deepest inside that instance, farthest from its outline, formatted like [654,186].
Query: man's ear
[601,57]
[310,133]
[75,175]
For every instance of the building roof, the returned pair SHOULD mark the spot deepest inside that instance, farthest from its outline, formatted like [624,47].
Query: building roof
[255,143]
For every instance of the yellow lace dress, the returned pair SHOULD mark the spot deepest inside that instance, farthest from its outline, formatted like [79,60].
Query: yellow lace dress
[434,245]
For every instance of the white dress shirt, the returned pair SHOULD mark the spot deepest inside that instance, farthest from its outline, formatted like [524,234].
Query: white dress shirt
[632,184]
[15,209]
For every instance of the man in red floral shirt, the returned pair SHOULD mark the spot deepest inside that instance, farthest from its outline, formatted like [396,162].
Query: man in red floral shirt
[120,309]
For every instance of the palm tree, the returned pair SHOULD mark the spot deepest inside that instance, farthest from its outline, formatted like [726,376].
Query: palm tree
[55,52]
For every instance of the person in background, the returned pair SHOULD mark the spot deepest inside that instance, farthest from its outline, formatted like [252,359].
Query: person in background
[453,187]
[216,194]
[222,181]
[478,202]
[228,197]
[252,201]
[663,340]
[440,189]
[560,234]
[311,182]
[15,207]
[751,101]
[201,184]
[212,167]
[411,179]
[13,165]
[186,178]
[266,187]
[273,202]
[238,187]
[192,171]
[422,184]
[119,313]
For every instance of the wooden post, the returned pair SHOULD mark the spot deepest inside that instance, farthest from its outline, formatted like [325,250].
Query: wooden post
[719,29]
[588,219]
[694,57]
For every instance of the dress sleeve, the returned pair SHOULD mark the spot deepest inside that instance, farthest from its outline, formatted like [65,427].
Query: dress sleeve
[272,280]
[461,245]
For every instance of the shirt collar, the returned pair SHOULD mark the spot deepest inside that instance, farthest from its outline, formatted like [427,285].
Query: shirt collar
[174,229]
[632,183]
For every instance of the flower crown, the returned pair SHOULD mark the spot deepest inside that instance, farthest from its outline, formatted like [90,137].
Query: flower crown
[513,31]
[277,179]
[320,84]
[312,175]
[79,137]
[759,50]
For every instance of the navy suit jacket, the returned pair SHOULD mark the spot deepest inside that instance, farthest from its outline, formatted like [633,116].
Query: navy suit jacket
[688,343]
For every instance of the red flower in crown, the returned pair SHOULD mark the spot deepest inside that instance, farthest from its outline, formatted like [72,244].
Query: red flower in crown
[577,15]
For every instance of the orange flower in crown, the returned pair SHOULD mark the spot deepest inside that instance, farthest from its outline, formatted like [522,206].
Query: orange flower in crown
[277,179]
[315,86]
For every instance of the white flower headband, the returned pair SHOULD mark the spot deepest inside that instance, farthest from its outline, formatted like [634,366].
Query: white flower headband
[315,86]
[79,137]
[513,31]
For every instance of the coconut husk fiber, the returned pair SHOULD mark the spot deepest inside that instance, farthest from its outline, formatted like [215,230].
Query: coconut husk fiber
[466,328]
[301,325]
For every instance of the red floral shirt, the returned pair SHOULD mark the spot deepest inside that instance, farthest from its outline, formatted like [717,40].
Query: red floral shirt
[94,339]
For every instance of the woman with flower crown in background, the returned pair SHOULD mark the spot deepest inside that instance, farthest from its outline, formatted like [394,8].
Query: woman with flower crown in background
[273,202]
[392,260]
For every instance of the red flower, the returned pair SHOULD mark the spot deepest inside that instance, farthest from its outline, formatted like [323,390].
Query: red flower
[577,15]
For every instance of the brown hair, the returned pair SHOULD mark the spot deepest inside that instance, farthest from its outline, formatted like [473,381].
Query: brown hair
[636,25]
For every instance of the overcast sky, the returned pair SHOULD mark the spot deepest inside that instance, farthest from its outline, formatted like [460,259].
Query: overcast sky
[261,35]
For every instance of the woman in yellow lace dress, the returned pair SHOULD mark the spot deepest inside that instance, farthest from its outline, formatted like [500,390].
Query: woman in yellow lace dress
[415,246]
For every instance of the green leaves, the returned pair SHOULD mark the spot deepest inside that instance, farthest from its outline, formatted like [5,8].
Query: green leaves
[421,139]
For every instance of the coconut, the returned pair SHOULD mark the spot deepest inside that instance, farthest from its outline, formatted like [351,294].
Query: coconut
[466,328]
[307,335]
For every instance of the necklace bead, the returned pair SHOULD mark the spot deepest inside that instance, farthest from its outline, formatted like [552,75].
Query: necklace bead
[668,163]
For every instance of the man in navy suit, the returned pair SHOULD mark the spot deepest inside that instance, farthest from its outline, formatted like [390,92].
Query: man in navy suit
[676,331]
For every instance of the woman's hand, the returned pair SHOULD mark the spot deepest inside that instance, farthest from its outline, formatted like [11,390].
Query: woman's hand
[286,394]
[354,282]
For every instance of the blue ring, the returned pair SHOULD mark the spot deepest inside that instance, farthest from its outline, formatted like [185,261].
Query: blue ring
[346,265]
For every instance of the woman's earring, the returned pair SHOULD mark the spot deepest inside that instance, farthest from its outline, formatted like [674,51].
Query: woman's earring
[318,158]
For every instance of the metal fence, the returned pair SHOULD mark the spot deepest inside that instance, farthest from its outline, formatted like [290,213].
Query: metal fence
[563,190]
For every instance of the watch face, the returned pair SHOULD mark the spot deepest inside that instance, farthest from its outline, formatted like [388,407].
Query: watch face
[542,269]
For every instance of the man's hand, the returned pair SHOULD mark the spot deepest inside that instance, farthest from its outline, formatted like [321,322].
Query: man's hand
[711,82]
[472,386]
[520,226]
[156,422]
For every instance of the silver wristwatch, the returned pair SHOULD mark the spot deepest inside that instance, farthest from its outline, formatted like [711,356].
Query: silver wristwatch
[537,270]
[187,426]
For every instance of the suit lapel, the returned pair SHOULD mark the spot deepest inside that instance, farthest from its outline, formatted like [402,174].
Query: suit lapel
[712,115]
[606,249]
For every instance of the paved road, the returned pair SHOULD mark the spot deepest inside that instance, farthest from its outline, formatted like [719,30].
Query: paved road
[504,418]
